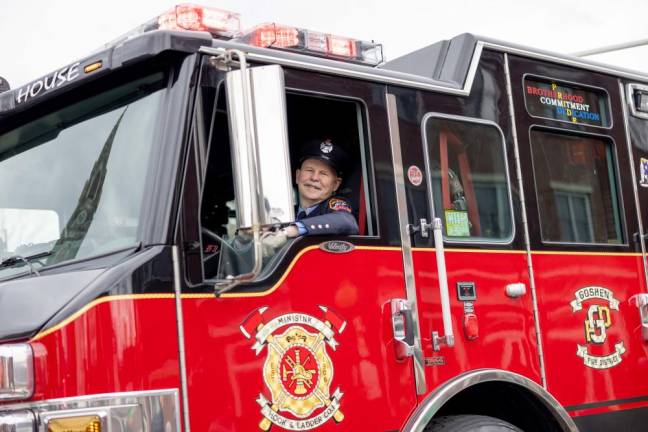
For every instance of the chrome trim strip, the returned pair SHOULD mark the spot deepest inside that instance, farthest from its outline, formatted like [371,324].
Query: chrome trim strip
[385,76]
[429,407]
[181,342]
[525,222]
[408,262]
[626,124]
[155,404]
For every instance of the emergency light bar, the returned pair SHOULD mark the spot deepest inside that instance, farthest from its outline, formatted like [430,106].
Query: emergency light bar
[224,24]
[271,35]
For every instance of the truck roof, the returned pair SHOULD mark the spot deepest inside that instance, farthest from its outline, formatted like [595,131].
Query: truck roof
[446,66]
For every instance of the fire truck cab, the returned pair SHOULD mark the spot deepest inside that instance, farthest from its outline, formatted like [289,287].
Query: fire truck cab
[498,280]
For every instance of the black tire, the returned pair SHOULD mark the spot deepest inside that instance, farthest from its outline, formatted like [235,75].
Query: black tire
[470,423]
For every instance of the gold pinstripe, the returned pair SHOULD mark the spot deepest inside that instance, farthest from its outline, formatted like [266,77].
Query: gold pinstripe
[269,291]
[97,302]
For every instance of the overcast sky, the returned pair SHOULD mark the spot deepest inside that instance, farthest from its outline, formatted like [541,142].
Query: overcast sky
[37,37]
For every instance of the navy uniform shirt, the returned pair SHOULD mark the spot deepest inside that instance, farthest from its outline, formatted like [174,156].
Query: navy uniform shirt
[331,216]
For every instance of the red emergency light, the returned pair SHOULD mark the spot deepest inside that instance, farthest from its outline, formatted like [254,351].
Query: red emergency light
[218,22]
[271,35]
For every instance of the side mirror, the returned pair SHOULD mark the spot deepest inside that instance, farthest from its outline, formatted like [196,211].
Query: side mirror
[256,99]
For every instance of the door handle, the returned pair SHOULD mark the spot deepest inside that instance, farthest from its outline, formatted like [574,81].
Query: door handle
[642,305]
[403,328]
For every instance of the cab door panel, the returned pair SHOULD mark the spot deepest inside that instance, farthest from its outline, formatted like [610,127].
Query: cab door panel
[317,314]
[505,330]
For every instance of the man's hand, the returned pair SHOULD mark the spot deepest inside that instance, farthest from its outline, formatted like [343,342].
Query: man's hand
[271,241]
[291,231]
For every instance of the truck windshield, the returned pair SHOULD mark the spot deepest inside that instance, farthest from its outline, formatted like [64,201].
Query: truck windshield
[73,179]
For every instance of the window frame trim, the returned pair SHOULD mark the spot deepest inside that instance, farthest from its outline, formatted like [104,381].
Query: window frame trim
[617,174]
[426,155]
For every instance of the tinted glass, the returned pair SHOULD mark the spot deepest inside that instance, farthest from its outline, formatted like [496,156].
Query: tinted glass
[576,188]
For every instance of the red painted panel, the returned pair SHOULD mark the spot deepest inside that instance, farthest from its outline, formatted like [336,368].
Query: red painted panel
[559,277]
[506,325]
[226,375]
[115,346]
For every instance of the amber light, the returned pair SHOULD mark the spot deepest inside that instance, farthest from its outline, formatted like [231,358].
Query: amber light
[90,423]
[92,67]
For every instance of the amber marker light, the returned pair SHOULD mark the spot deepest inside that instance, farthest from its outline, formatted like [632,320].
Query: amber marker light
[89,423]
[92,67]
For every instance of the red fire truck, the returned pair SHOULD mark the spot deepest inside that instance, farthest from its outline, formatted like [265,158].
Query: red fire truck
[498,281]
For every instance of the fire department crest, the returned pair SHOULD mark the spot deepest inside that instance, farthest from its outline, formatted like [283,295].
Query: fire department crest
[595,352]
[298,371]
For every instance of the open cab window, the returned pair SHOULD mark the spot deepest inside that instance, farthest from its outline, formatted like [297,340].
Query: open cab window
[227,250]
[468,179]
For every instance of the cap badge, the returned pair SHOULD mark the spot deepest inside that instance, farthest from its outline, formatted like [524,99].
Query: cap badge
[326,146]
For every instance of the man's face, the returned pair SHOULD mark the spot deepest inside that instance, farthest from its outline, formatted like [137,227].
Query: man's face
[316,181]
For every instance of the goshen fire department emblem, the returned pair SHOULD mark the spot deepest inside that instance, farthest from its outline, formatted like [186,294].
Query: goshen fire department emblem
[298,371]
[596,353]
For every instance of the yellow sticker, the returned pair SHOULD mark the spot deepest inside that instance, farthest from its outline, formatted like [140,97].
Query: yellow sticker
[457,224]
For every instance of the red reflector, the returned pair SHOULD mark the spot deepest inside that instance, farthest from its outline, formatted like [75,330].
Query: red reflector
[471,327]
[271,35]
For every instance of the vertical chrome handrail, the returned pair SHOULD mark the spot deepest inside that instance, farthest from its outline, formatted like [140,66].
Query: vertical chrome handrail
[448,334]
[633,173]
[408,264]
[525,223]
[181,340]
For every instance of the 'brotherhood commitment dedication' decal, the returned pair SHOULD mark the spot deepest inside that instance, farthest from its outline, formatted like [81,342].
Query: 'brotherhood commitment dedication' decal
[597,352]
[298,371]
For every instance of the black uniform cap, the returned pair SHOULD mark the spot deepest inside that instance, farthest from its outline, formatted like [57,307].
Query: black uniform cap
[326,150]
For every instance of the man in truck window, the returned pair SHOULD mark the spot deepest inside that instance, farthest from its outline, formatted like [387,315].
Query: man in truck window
[320,210]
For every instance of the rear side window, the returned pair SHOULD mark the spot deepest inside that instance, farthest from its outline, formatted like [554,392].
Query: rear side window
[468,179]
[576,188]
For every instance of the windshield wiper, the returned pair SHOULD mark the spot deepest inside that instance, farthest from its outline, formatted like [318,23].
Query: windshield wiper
[13,260]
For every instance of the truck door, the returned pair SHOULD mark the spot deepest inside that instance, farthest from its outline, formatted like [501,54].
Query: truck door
[309,344]
[586,253]
[458,164]
[636,113]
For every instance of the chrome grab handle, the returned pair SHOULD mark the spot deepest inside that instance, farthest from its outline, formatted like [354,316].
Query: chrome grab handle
[403,327]
[448,338]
